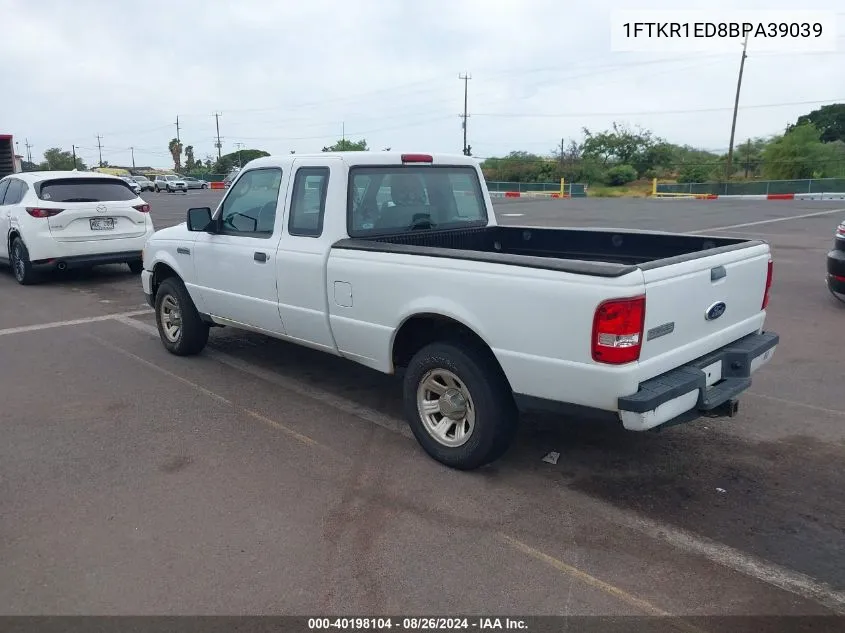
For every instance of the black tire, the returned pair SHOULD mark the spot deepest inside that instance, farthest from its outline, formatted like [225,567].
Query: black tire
[156,189]
[496,417]
[192,333]
[205,186]
[20,263]
[135,267]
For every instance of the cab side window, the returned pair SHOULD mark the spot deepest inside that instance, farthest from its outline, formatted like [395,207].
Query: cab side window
[250,207]
[308,206]
[4,184]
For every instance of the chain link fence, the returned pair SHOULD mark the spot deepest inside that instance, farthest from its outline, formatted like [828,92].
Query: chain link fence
[757,187]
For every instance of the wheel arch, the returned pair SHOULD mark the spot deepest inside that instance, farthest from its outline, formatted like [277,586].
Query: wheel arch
[422,328]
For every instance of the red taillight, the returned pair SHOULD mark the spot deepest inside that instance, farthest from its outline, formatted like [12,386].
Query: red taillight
[840,231]
[768,286]
[618,330]
[38,212]
[143,208]
[417,158]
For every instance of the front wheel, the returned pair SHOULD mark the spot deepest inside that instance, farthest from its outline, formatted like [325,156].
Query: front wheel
[205,186]
[180,327]
[459,404]
[157,190]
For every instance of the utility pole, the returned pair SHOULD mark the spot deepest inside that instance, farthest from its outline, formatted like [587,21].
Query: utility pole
[100,148]
[132,149]
[28,152]
[747,156]
[177,129]
[239,146]
[73,149]
[218,145]
[465,77]
[728,165]
[343,130]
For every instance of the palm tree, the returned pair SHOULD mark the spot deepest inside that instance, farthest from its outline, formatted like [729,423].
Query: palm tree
[175,147]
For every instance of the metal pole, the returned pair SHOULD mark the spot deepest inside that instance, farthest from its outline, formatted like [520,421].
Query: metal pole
[132,149]
[736,107]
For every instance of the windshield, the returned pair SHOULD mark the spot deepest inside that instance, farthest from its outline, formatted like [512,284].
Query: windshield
[397,199]
[171,178]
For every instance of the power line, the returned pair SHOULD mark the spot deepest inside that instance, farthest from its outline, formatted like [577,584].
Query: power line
[648,112]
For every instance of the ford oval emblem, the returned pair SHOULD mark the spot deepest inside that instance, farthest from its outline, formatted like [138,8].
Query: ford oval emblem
[715,311]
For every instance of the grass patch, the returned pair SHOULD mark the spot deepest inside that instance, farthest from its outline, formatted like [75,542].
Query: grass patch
[632,190]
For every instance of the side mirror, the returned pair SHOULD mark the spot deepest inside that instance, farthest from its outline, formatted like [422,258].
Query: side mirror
[199,219]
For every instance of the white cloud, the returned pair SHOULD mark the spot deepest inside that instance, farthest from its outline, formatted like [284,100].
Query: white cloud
[291,75]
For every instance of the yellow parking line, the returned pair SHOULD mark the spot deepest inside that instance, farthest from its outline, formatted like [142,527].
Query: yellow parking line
[612,590]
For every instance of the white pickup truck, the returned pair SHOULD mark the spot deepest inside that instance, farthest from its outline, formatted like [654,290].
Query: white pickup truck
[395,261]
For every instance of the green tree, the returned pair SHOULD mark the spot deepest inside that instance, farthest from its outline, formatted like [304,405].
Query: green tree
[238,158]
[800,153]
[621,175]
[57,159]
[829,120]
[623,145]
[175,149]
[345,145]
[190,162]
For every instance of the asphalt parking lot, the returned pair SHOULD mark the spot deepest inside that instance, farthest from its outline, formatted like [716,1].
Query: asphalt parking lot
[261,477]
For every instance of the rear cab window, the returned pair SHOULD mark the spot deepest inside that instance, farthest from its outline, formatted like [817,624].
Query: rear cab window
[395,199]
[85,190]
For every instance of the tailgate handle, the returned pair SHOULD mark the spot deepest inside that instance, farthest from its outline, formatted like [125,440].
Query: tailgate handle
[718,273]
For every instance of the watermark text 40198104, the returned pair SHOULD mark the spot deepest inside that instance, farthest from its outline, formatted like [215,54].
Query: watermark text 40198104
[721,30]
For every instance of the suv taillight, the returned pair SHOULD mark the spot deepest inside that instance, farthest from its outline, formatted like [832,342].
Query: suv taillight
[618,330]
[840,231]
[38,212]
[143,208]
[768,286]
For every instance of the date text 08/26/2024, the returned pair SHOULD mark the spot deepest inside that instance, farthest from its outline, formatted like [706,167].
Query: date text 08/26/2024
[415,624]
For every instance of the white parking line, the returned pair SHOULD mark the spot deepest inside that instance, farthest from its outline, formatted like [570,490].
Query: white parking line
[723,555]
[511,215]
[772,221]
[82,321]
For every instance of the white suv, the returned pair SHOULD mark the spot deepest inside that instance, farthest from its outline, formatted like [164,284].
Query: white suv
[58,220]
[170,183]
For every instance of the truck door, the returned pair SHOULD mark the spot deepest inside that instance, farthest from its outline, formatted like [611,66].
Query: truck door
[316,203]
[235,268]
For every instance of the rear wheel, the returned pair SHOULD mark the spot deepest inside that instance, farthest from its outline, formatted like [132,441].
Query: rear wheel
[180,327]
[21,265]
[459,404]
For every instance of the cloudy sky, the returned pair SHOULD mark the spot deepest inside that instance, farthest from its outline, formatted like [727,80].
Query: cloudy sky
[291,75]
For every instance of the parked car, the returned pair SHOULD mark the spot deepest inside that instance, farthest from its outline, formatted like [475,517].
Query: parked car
[145,183]
[836,264]
[645,328]
[230,177]
[134,185]
[195,183]
[59,220]
[170,183]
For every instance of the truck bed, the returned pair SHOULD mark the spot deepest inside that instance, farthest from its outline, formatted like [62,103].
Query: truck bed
[599,252]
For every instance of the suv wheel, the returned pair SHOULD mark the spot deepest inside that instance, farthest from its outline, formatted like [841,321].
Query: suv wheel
[21,266]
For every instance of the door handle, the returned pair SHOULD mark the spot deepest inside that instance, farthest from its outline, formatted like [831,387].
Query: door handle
[260,257]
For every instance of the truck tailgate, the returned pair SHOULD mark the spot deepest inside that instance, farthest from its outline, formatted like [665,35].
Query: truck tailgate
[694,307]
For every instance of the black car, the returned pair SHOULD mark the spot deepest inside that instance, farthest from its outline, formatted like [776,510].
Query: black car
[836,264]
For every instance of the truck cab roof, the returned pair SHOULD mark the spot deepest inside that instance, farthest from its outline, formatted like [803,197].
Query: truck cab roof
[368,158]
